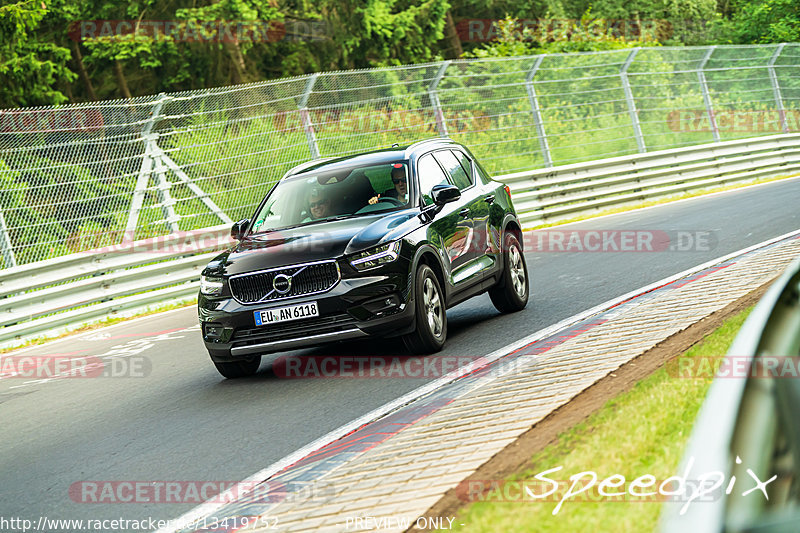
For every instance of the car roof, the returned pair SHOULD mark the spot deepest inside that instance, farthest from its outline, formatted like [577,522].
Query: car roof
[377,156]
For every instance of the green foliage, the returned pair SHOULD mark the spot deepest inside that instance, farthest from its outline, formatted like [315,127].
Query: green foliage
[589,35]
[677,21]
[29,66]
[760,21]
[59,205]
[384,32]
[41,54]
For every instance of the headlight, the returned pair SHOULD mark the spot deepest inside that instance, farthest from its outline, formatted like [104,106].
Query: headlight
[376,256]
[210,285]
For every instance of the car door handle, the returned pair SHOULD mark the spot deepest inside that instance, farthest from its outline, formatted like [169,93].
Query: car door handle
[464,212]
[489,199]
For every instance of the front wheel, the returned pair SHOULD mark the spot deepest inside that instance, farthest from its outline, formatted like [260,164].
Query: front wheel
[511,293]
[239,369]
[431,330]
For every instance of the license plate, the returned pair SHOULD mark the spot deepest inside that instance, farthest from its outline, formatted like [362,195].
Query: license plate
[285,314]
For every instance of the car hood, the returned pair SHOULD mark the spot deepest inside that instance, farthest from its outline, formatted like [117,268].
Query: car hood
[315,242]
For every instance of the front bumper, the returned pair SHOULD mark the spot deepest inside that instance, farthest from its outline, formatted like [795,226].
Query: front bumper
[377,303]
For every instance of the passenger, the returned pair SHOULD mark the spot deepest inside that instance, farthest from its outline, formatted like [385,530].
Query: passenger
[319,206]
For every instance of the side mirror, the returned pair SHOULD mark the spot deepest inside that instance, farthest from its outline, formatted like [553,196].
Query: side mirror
[238,229]
[445,193]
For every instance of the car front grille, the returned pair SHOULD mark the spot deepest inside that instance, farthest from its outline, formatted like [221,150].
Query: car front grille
[305,279]
[293,330]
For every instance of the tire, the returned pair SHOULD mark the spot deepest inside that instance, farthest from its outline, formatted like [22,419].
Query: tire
[431,330]
[239,369]
[511,293]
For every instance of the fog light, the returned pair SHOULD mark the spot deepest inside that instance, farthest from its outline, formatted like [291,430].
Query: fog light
[380,306]
[212,331]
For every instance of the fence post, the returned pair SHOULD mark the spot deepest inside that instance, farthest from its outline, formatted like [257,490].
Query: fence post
[776,88]
[626,86]
[5,242]
[305,117]
[167,202]
[144,170]
[712,119]
[537,114]
[441,126]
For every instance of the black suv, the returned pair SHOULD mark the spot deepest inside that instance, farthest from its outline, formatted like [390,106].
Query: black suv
[379,243]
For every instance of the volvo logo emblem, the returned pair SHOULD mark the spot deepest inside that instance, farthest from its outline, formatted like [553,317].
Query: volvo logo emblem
[282,283]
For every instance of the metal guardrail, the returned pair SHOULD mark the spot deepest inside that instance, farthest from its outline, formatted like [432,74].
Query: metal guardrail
[754,419]
[48,296]
[552,194]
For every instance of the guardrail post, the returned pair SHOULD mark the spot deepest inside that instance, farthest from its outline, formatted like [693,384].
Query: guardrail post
[626,86]
[305,117]
[537,114]
[776,88]
[144,170]
[5,242]
[712,119]
[441,125]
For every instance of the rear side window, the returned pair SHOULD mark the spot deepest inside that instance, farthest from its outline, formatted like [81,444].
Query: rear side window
[458,170]
[430,174]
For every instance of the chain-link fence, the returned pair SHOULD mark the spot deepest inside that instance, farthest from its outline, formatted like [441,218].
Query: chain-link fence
[78,177]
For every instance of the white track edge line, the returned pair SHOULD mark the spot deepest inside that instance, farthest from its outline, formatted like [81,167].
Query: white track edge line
[264,474]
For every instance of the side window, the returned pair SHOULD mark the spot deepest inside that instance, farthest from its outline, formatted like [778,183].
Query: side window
[430,174]
[461,178]
[466,164]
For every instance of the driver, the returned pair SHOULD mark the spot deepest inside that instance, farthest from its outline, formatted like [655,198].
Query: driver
[400,191]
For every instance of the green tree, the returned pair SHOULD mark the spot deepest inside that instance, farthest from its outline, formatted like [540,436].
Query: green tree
[384,32]
[678,21]
[29,66]
[760,21]
[588,35]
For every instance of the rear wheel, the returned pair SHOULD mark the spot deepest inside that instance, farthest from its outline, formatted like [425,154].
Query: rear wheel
[239,369]
[511,293]
[431,330]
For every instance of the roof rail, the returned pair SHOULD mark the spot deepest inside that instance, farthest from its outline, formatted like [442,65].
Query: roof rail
[431,140]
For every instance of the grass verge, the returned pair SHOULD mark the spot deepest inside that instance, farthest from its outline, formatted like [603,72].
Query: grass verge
[642,431]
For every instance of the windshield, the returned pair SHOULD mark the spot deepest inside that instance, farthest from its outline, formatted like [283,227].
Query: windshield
[334,191]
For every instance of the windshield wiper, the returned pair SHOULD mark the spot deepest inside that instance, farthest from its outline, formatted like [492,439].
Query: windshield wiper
[339,217]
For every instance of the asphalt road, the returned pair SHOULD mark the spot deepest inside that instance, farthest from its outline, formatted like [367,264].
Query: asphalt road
[181,421]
